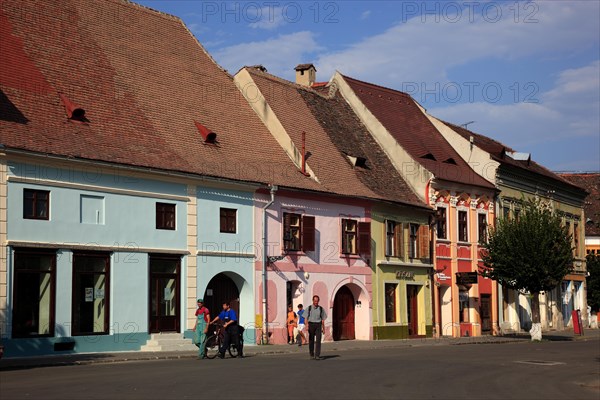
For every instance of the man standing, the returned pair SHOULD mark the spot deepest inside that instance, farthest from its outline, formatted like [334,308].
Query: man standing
[230,325]
[201,327]
[316,316]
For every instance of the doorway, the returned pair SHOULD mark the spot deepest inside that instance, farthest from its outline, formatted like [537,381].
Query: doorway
[343,315]
[164,294]
[412,302]
[486,315]
[221,289]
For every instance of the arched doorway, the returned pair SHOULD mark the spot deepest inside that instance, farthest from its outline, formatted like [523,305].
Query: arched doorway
[219,290]
[343,315]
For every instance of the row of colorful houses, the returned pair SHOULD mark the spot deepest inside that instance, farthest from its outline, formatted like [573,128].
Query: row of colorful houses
[136,176]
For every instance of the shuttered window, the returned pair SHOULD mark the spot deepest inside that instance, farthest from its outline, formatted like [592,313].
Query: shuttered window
[298,232]
[356,237]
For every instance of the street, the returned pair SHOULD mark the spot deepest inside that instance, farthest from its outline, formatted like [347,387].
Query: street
[549,370]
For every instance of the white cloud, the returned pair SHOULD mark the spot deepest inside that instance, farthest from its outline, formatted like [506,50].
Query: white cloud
[279,55]
[266,17]
[365,14]
[566,121]
[424,51]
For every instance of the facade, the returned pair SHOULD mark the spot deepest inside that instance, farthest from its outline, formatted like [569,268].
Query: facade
[127,190]
[517,177]
[591,183]
[348,267]
[464,303]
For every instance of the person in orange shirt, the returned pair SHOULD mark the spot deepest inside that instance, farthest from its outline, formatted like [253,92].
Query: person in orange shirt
[292,322]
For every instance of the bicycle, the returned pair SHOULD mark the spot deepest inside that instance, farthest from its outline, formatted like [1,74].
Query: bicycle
[215,341]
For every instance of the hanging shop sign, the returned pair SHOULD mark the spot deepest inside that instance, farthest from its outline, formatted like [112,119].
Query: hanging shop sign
[466,278]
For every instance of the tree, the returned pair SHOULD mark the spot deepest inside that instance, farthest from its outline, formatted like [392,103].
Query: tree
[593,281]
[531,254]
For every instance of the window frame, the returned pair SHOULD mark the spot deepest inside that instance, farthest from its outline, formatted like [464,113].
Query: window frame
[442,223]
[349,234]
[482,234]
[463,226]
[289,229]
[35,202]
[106,256]
[161,216]
[390,238]
[413,241]
[225,219]
[24,252]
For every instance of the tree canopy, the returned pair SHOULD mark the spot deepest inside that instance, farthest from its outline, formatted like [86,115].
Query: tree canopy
[531,253]
[593,282]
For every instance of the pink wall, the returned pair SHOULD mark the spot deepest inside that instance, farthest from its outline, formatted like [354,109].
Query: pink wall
[320,272]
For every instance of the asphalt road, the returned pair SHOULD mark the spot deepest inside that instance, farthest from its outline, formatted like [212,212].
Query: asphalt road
[546,370]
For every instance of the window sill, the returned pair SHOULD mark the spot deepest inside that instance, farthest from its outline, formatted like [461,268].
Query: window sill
[349,255]
[466,244]
[443,241]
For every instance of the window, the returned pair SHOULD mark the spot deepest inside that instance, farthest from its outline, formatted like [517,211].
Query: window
[482,227]
[90,294]
[33,308]
[228,220]
[356,237]
[463,305]
[36,204]
[298,232]
[462,227]
[292,229]
[441,223]
[412,242]
[165,216]
[576,239]
[506,212]
[393,242]
[517,214]
[390,302]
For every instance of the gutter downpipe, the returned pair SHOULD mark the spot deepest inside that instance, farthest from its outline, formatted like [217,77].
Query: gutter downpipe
[265,324]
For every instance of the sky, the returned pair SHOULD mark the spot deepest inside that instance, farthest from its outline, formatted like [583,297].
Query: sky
[526,73]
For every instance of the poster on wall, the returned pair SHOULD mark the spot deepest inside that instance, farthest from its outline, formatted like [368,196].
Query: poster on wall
[89,294]
[99,293]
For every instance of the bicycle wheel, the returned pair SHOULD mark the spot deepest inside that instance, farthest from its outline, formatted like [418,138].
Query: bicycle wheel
[233,350]
[211,347]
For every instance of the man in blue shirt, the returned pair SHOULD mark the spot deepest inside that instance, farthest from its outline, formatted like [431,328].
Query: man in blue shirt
[230,324]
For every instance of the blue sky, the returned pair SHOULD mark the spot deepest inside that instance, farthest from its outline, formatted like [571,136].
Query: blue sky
[527,73]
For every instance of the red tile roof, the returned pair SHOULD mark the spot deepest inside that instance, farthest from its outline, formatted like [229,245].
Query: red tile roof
[497,151]
[333,132]
[403,119]
[591,183]
[142,79]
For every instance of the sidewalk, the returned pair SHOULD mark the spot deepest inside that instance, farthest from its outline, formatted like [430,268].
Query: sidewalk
[257,350]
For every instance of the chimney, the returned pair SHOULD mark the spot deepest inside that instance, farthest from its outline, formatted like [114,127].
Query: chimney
[306,74]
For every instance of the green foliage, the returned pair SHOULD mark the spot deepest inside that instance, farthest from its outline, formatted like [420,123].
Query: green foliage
[593,281]
[531,254]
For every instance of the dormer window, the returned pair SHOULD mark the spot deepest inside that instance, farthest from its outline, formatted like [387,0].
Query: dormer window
[209,136]
[429,156]
[74,112]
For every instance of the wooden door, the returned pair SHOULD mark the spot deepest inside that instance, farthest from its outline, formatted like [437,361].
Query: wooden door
[164,294]
[343,315]
[412,303]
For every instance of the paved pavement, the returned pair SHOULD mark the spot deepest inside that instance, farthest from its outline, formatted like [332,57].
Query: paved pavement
[257,350]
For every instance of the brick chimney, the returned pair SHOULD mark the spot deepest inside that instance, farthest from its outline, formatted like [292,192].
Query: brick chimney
[306,74]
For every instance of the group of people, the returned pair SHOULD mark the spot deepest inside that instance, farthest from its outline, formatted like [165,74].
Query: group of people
[231,329]
[315,315]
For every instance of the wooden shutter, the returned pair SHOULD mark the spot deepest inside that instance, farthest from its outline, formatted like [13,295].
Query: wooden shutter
[399,240]
[308,233]
[423,241]
[364,238]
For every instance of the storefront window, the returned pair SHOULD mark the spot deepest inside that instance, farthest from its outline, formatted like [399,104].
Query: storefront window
[463,305]
[90,293]
[33,309]
[390,302]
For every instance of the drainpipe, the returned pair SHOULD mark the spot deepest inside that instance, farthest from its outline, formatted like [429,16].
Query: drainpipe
[265,332]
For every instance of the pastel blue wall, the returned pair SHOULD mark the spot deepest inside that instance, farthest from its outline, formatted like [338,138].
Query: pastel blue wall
[239,269]
[129,221]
